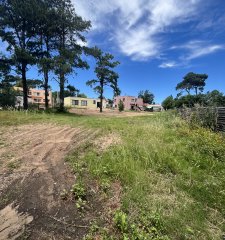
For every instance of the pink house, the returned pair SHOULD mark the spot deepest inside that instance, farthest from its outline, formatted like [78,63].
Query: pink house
[130,102]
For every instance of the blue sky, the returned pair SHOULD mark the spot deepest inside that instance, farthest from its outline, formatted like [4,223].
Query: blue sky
[156,41]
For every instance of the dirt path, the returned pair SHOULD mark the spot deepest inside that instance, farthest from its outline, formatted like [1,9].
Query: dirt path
[33,173]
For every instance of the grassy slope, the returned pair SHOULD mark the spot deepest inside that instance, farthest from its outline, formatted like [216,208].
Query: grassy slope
[172,176]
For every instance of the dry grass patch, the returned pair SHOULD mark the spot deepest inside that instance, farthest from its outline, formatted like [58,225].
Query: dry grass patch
[104,142]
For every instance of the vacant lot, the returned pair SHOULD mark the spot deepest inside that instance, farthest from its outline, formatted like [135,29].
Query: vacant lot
[67,176]
[109,113]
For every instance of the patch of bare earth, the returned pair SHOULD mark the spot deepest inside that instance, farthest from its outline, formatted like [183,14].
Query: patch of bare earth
[33,174]
[108,112]
[104,142]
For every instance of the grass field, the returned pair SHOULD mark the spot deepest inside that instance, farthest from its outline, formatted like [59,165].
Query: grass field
[171,174]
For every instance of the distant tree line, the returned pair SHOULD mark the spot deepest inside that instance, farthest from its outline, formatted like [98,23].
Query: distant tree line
[194,83]
[50,35]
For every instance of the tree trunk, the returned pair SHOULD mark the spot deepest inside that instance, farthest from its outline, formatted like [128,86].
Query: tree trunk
[101,95]
[196,91]
[46,89]
[25,89]
[61,93]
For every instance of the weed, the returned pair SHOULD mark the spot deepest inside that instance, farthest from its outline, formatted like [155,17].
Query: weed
[80,203]
[104,185]
[172,174]
[64,194]
[79,190]
[13,165]
[121,221]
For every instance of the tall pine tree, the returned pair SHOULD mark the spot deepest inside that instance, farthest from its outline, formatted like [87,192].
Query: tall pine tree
[70,29]
[18,27]
[105,75]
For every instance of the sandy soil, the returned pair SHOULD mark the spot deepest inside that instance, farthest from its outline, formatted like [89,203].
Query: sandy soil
[108,113]
[33,173]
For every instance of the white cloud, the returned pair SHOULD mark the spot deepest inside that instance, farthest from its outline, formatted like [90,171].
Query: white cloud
[196,49]
[199,49]
[171,64]
[134,37]
[193,49]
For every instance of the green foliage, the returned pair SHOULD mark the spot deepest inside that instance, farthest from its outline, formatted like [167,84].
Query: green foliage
[209,99]
[146,227]
[18,28]
[168,103]
[79,190]
[214,99]
[147,96]
[70,91]
[193,81]
[172,185]
[105,74]
[121,221]
[121,106]
[209,144]
[7,93]
[31,83]
[46,33]
[81,95]
[70,30]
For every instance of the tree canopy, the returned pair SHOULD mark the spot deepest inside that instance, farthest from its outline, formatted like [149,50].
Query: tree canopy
[106,76]
[192,81]
[45,33]
[147,96]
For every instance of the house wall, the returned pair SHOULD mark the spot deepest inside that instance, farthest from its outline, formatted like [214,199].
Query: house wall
[35,96]
[88,103]
[38,96]
[128,102]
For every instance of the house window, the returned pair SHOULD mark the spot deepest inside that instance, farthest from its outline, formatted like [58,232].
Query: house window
[36,94]
[94,101]
[124,99]
[132,100]
[83,103]
[29,93]
[75,102]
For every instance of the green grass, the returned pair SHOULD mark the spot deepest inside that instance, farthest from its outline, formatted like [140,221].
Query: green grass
[173,175]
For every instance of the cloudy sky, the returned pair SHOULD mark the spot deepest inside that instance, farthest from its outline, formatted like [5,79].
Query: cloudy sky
[159,41]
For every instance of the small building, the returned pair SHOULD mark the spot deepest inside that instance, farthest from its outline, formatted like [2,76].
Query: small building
[129,102]
[88,103]
[35,96]
[153,107]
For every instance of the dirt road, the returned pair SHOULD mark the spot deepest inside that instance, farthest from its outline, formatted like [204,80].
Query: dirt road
[33,173]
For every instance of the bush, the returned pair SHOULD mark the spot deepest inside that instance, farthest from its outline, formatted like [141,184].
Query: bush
[121,106]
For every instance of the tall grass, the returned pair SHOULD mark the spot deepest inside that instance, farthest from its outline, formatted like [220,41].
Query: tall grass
[166,167]
[170,169]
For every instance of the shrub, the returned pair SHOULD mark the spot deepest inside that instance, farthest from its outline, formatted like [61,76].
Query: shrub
[121,106]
